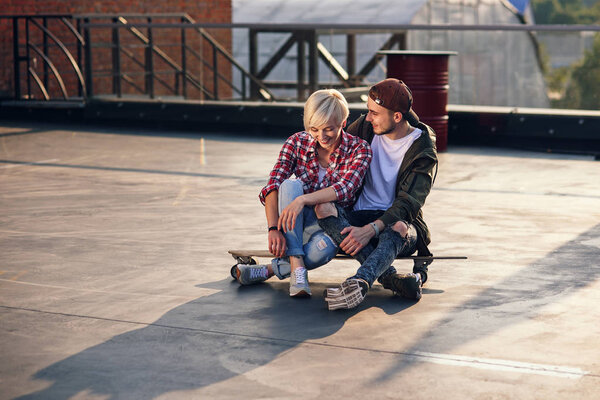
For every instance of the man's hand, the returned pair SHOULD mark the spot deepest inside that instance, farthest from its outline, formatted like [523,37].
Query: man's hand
[276,243]
[357,238]
[287,218]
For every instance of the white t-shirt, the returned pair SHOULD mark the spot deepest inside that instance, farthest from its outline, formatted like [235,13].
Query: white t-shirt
[322,172]
[379,190]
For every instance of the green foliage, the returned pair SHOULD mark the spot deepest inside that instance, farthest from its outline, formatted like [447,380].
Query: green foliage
[558,78]
[582,92]
[580,83]
[566,11]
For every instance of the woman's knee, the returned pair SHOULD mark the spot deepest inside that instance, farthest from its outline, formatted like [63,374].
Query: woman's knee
[319,251]
[288,191]
[291,185]
[325,210]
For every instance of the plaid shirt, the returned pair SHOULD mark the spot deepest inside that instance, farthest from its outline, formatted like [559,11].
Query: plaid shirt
[348,165]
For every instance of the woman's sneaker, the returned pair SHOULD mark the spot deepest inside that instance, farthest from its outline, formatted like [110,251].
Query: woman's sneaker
[250,274]
[348,295]
[405,285]
[299,283]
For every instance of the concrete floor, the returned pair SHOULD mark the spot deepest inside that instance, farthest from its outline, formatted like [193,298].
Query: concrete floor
[114,279]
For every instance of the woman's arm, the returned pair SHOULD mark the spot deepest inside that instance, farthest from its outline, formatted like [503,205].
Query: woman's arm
[276,240]
[287,219]
[283,168]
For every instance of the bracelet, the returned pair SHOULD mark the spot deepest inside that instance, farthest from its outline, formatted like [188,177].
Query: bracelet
[375,228]
[273,228]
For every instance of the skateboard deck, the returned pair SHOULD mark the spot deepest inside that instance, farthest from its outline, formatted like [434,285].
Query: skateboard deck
[268,254]
[247,257]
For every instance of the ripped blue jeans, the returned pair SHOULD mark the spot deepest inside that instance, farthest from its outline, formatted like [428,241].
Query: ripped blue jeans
[377,256]
[307,239]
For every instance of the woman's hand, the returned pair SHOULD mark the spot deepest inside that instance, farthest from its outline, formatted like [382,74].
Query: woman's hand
[287,218]
[276,243]
[357,238]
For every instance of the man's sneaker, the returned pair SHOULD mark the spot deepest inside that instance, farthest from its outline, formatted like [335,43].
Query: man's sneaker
[404,285]
[299,283]
[348,295]
[247,274]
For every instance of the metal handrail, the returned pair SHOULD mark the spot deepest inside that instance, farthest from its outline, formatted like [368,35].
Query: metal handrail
[144,39]
[375,28]
[66,52]
[267,94]
[61,83]
[189,22]
[172,63]
[207,64]
[73,31]
[39,82]
[255,77]
[132,27]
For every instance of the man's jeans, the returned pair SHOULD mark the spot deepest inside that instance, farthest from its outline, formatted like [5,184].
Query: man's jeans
[307,239]
[376,257]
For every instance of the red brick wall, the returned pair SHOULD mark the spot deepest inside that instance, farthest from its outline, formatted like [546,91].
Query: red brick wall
[214,11]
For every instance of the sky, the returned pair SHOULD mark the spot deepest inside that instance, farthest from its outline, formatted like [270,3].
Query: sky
[520,5]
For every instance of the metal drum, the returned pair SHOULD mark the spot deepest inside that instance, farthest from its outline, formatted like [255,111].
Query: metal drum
[426,74]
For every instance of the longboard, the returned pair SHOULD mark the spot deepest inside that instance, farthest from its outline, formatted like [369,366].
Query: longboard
[247,257]
[248,254]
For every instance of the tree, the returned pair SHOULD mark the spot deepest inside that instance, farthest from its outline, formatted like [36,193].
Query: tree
[582,91]
[566,11]
[576,86]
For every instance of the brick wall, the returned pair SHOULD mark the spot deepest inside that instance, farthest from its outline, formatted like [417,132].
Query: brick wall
[168,40]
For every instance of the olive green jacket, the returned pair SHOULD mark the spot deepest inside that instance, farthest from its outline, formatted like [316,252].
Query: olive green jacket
[414,180]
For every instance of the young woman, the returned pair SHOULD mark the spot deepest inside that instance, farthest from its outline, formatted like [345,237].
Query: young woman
[328,165]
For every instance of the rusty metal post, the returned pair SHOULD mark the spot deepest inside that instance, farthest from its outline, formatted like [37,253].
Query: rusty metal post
[426,74]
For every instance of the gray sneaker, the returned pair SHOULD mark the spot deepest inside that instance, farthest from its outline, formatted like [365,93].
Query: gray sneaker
[250,274]
[348,295]
[299,283]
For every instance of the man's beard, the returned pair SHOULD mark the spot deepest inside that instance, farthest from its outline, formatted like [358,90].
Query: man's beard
[385,132]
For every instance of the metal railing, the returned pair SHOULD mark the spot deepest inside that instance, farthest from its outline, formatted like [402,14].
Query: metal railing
[162,55]
[40,23]
[79,44]
[184,77]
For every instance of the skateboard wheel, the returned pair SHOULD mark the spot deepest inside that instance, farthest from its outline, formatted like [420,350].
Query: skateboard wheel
[245,260]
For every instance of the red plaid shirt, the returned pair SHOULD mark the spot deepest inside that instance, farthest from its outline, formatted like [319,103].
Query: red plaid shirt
[348,165]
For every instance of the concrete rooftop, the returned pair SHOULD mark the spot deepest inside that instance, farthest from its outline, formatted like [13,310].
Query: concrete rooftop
[114,278]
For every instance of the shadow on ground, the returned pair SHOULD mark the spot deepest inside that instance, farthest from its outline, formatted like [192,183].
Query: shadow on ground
[520,297]
[208,340]
[238,329]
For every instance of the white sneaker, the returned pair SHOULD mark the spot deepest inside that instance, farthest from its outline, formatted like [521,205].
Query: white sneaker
[348,295]
[299,283]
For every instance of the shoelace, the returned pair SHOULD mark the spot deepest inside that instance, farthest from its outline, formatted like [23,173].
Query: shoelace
[299,276]
[258,273]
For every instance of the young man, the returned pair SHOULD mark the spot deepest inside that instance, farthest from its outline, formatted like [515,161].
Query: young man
[389,207]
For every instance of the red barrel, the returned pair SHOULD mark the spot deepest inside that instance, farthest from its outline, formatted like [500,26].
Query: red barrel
[426,74]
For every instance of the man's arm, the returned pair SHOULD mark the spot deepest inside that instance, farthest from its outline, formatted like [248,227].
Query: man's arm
[410,198]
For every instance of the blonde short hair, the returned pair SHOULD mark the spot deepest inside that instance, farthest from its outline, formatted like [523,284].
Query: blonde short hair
[323,106]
